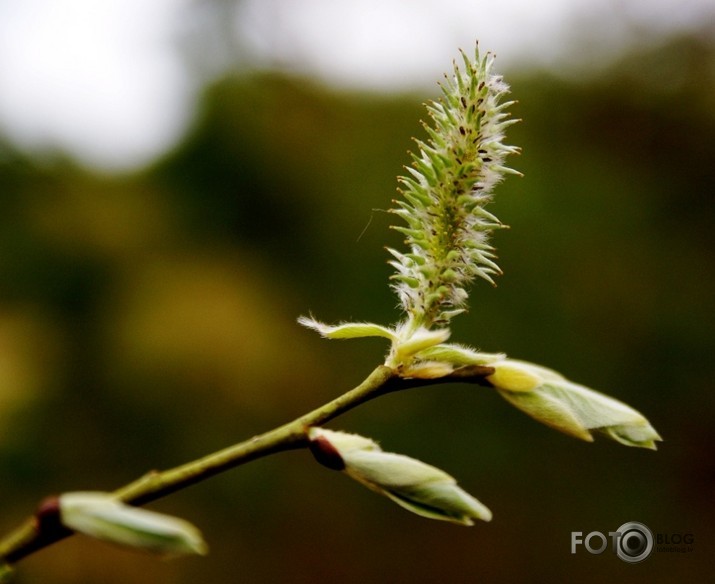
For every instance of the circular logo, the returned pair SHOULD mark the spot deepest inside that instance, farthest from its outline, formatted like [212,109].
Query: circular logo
[635,543]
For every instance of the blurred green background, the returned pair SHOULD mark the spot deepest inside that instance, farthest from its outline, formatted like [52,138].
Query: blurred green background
[149,318]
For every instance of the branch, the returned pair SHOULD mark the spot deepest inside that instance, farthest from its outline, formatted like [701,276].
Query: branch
[42,529]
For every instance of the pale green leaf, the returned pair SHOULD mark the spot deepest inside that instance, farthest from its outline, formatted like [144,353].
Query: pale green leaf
[458,355]
[549,411]
[578,410]
[348,330]
[441,501]
[405,350]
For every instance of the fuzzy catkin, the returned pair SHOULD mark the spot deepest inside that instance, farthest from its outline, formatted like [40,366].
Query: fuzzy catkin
[449,185]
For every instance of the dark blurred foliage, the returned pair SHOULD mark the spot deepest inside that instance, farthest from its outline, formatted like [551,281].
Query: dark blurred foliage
[150,319]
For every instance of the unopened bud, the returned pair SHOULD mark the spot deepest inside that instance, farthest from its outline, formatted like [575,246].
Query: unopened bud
[412,484]
[101,516]
[571,408]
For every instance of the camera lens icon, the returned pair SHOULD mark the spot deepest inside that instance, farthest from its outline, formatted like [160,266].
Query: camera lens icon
[635,542]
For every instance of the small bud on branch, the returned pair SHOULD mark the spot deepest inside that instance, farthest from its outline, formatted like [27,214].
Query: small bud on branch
[101,516]
[412,484]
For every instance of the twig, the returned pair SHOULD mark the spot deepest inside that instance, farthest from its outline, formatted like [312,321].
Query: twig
[37,532]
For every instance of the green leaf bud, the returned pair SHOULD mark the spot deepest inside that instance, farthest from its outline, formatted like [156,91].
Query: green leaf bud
[101,516]
[569,407]
[418,487]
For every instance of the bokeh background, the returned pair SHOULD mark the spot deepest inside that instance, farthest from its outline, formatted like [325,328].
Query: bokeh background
[180,180]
